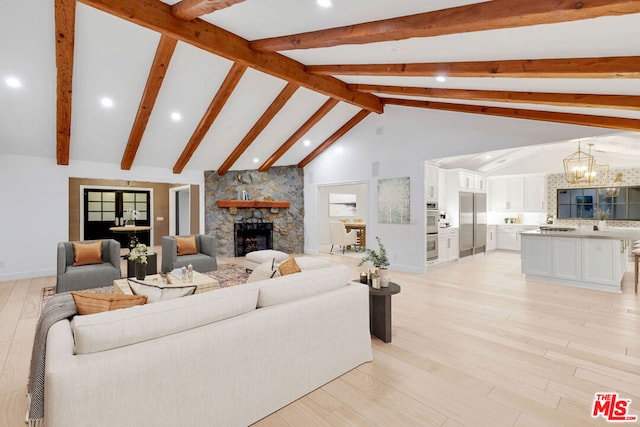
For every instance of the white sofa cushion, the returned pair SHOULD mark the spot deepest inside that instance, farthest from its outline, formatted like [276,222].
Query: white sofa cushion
[301,285]
[113,329]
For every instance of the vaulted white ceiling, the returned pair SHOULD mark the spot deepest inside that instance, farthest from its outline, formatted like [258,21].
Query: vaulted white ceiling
[112,58]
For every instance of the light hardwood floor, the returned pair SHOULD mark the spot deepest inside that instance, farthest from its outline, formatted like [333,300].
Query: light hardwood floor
[474,344]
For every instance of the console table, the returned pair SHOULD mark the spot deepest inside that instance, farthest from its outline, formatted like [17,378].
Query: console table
[380,310]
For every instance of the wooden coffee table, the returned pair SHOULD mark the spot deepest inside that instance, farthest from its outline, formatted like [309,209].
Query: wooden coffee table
[203,283]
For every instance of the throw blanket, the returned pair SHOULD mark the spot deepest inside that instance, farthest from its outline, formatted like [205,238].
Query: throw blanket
[59,307]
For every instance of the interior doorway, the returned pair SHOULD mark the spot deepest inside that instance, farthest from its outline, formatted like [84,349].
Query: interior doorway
[340,202]
[180,211]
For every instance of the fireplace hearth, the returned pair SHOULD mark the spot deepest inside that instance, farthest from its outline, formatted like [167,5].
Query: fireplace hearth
[252,236]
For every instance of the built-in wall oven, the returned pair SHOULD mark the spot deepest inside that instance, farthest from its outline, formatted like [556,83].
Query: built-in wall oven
[432,230]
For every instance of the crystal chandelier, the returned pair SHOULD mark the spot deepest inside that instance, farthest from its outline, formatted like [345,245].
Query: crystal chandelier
[578,167]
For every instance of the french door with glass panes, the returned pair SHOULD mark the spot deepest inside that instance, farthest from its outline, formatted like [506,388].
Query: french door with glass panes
[104,208]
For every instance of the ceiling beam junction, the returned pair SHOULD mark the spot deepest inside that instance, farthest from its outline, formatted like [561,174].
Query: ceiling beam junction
[585,68]
[156,15]
[545,116]
[627,102]
[191,9]
[65,22]
[159,67]
[217,103]
[302,130]
[334,137]
[259,126]
[491,15]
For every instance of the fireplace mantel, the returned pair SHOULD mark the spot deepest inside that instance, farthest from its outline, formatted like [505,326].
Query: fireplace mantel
[253,204]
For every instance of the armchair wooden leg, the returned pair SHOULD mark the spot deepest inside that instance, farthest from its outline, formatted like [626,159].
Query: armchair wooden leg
[331,250]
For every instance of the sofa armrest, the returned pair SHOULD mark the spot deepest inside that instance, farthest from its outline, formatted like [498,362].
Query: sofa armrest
[62,259]
[169,253]
[113,254]
[207,245]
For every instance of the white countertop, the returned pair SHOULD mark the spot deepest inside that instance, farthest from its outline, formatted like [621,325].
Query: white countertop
[620,233]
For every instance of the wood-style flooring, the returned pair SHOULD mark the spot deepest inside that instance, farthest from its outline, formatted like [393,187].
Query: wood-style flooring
[474,344]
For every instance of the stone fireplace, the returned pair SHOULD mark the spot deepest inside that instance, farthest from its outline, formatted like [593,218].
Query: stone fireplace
[252,236]
[284,183]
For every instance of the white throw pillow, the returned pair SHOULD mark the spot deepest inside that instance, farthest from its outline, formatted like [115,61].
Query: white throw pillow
[160,293]
[266,270]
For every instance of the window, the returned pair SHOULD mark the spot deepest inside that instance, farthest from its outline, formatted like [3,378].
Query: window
[581,203]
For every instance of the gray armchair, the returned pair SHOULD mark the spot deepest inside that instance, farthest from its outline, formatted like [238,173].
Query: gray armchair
[70,278]
[203,261]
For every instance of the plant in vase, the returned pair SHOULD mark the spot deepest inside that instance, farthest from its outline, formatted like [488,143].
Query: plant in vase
[379,260]
[601,216]
[133,215]
[138,255]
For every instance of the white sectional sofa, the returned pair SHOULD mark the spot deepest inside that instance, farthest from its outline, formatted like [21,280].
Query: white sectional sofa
[223,358]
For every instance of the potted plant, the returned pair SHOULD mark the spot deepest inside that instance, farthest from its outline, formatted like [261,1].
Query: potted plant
[138,255]
[379,260]
[601,216]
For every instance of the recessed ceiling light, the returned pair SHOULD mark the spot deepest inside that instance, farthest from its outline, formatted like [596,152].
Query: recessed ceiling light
[176,117]
[307,142]
[106,102]
[441,79]
[488,156]
[256,160]
[325,3]
[13,82]
[339,150]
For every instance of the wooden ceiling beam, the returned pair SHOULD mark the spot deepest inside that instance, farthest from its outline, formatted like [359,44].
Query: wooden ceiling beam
[217,103]
[627,102]
[257,128]
[333,138]
[65,22]
[192,9]
[302,130]
[593,68]
[545,116]
[156,15]
[491,15]
[164,52]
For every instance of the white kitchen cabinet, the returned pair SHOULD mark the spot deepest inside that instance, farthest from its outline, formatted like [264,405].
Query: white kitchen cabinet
[596,263]
[431,182]
[448,244]
[469,181]
[509,236]
[567,258]
[539,260]
[492,238]
[535,193]
[600,261]
[506,194]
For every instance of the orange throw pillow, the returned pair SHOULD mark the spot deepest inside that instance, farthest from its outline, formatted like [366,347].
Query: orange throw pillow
[186,245]
[91,302]
[85,253]
[290,266]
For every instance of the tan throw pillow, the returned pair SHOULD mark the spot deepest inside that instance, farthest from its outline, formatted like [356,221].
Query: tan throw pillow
[85,253]
[290,266]
[186,245]
[90,302]
[156,293]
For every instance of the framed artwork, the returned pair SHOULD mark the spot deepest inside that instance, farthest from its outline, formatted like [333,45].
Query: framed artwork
[394,201]
[342,204]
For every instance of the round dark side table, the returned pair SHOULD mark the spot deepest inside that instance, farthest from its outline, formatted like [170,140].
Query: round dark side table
[380,310]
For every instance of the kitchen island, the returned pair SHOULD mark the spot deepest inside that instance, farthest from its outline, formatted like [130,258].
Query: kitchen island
[579,257]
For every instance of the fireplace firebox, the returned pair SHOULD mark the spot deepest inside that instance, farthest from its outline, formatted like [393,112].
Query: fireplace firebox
[252,236]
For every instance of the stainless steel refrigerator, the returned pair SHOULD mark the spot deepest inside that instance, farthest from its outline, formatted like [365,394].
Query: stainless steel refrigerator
[473,223]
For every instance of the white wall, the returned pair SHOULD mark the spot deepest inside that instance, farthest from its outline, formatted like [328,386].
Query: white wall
[362,204]
[35,201]
[396,144]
